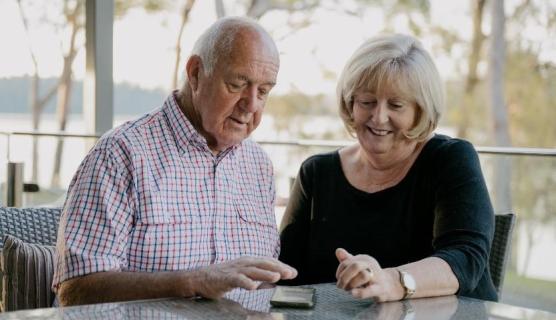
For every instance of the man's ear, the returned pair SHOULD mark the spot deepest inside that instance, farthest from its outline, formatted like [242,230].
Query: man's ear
[193,68]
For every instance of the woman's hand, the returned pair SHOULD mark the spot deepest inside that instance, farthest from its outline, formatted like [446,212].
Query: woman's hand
[363,277]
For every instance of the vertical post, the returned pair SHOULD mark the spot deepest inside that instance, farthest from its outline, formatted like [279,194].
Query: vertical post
[14,184]
[98,101]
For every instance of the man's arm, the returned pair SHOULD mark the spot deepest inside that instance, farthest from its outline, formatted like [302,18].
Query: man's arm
[210,282]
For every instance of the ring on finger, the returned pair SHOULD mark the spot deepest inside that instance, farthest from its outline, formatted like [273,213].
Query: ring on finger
[370,271]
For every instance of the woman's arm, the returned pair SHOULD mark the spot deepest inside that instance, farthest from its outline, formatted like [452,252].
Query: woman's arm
[464,217]
[364,278]
[295,229]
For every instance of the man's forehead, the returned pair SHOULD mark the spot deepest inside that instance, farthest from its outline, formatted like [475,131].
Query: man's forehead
[263,74]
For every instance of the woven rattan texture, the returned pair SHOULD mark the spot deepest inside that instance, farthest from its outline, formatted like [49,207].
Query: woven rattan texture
[501,245]
[31,225]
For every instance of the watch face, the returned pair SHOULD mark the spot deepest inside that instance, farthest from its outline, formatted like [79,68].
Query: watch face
[408,281]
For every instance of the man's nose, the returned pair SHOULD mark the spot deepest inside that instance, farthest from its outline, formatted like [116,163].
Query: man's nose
[250,101]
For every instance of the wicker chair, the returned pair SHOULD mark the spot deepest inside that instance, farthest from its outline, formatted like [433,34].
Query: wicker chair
[501,245]
[27,261]
[31,225]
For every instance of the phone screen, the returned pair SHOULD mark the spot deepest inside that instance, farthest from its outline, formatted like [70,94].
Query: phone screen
[296,297]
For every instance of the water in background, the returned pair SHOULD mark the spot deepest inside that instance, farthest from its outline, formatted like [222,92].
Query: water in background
[286,161]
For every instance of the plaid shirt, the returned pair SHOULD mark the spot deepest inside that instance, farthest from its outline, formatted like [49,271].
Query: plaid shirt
[150,196]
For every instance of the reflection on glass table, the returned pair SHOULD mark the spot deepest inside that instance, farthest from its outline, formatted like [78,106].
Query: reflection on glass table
[331,303]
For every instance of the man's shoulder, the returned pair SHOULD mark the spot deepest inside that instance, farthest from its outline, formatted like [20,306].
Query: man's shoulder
[133,132]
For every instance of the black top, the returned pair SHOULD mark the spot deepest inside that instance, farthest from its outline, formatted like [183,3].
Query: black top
[441,208]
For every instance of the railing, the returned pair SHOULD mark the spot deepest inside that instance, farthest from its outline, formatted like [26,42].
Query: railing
[509,151]
[15,179]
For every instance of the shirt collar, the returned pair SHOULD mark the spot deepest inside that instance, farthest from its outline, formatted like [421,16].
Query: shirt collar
[184,132]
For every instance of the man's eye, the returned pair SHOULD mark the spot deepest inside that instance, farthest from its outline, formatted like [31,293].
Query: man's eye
[263,92]
[235,86]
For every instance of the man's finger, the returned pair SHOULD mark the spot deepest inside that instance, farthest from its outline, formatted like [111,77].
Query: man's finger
[270,264]
[258,274]
[240,280]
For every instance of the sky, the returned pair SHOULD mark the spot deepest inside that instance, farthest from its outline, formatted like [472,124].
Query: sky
[311,58]
[143,53]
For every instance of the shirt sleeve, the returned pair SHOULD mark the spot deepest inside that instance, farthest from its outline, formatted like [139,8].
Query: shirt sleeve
[271,200]
[96,218]
[463,217]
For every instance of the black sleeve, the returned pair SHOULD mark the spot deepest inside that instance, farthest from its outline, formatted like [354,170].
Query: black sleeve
[295,226]
[463,217]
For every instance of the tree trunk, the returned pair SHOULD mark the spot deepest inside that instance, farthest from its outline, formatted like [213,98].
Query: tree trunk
[220,9]
[37,104]
[184,18]
[64,90]
[474,56]
[497,56]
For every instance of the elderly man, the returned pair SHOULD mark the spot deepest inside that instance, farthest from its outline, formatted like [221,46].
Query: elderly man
[177,202]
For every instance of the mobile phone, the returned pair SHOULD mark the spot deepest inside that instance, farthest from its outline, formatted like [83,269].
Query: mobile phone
[293,297]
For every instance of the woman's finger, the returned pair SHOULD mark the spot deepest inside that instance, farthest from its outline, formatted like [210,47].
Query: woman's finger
[342,254]
[350,271]
[365,277]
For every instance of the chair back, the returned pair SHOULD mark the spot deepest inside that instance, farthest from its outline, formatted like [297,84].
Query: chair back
[31,225]
[27,259]
[499,251]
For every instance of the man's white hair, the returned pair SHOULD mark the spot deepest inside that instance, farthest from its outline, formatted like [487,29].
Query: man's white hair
[217,41]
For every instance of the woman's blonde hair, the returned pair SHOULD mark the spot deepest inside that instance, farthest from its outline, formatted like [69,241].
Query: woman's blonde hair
[396,62]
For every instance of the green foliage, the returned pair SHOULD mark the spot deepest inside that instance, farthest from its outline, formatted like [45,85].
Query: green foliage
[531,105]
[528,292]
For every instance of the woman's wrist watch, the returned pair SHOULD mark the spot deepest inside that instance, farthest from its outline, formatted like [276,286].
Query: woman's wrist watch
[408,283]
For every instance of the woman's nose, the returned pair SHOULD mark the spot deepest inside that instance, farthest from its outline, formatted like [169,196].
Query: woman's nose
[380,113]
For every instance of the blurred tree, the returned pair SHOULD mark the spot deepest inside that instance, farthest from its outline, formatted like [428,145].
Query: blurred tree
[531,97]
[496,62]
[472,77]
[36,101]
[74,20]
[184,18]
[69,27]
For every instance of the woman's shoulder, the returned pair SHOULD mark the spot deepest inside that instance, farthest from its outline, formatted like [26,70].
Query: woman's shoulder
[443,145]
[321,161]
[444,154]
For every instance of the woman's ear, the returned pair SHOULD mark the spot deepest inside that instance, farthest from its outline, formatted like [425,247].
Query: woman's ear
[193,69]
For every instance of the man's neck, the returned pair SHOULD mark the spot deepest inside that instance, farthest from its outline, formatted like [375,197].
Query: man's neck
[183,98]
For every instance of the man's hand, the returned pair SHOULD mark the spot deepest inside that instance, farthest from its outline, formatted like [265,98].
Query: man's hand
[210,282]
[247,272]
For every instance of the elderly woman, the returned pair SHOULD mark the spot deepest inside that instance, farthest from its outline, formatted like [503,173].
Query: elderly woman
[404,212]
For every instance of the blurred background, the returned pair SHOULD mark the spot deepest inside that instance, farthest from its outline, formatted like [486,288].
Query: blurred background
[498,60]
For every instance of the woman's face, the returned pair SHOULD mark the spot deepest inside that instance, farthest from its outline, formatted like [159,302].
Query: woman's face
[382,119]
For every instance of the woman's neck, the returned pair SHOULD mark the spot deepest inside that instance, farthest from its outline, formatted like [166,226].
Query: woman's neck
[372,173]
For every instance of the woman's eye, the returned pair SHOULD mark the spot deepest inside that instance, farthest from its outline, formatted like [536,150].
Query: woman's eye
[367,103]
[396,105]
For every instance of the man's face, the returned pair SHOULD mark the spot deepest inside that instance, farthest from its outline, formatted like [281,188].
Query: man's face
[229,103]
